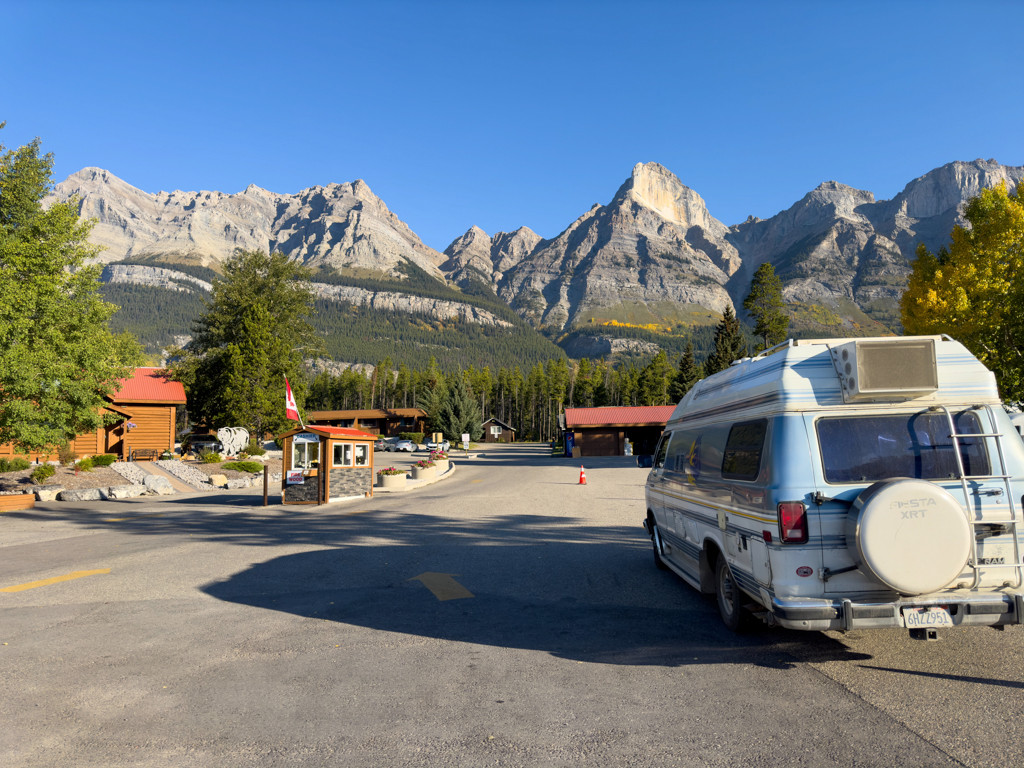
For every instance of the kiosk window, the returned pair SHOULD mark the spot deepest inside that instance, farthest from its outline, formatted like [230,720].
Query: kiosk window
[362,454]
[305,455]
[343,454]
[742,457]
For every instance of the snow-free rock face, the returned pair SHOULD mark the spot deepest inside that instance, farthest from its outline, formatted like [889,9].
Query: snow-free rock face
[654,249]
[478,256]
[341,225]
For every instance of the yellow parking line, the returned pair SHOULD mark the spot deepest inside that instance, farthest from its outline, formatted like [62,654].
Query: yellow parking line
[476,481]
[54,580]
[133,517]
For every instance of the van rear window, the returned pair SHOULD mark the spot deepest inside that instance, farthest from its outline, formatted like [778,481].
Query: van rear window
[871,448]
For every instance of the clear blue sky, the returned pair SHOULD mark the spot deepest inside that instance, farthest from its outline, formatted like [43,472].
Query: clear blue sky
[505,114]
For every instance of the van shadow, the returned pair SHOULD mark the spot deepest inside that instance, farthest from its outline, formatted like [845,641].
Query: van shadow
[590,596]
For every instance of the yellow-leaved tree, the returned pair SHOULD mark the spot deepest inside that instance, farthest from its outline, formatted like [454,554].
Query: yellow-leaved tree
[974,291]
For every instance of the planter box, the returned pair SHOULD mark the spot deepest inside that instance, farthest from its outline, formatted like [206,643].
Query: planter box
[441,465]
[17,501]
[423,474]
[391,481]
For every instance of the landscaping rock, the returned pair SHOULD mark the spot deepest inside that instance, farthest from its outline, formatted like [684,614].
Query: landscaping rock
[238,482]
[159,485]
[126,491]
[48,492]
[221,481]
[82,494]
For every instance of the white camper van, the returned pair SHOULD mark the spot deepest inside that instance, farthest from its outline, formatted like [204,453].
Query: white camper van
[845,484]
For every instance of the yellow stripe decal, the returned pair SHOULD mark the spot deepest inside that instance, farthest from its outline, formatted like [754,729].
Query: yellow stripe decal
[54,580]
[729,510]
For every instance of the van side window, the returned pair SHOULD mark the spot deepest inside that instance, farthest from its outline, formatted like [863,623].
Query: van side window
[659,456]
[742,458]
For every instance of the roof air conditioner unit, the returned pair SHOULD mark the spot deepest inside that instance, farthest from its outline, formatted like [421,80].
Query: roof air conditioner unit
[900,369]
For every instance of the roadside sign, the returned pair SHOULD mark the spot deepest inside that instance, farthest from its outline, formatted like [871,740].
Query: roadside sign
[294,477]
[465,437]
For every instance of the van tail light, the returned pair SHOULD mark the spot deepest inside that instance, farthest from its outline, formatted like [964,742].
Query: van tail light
[792,522]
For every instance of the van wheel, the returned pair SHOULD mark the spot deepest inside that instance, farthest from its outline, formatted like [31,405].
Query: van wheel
[729,596]
[655,538]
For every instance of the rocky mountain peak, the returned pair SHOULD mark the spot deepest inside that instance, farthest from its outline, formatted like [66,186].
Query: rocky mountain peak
[654,186]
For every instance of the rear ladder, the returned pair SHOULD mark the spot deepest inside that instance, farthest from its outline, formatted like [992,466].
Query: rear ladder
[978,513]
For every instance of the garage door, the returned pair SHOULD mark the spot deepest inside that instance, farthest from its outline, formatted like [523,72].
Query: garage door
[596,442]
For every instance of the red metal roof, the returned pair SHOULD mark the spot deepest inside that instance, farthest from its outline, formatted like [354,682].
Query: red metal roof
[632,416]
[339,431]
[150,385]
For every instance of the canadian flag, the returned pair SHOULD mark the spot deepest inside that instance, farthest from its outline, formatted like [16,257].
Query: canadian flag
[291,410]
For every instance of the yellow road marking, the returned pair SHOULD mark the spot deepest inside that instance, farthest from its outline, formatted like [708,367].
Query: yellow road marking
[476,481]
[133,517]
[54,580]
[443,585]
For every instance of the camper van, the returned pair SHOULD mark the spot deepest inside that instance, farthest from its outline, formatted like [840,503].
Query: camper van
[840,484]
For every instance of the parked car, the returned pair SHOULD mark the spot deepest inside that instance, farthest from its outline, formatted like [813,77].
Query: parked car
[382,445]
[197,443]
[404,445]
[444,445]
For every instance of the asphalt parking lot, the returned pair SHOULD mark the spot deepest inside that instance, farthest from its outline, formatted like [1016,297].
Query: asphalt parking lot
[505,616]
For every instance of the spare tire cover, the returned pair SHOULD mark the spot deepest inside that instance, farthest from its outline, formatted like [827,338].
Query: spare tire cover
[911,535]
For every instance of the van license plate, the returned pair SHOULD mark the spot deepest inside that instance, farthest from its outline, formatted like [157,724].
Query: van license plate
[919,618]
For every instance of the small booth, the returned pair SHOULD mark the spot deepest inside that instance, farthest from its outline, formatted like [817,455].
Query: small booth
[322,464]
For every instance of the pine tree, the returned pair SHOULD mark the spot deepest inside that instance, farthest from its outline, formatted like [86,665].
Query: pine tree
[765,304]
[729,344]
[461,414]
[654,380]
[689,373]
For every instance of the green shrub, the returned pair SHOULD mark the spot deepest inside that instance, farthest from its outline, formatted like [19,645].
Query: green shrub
[209,457]
[16,464]
[85,465]
[255,449]
[244,466]
[66,455]
[416,437]
[42,473]
[104,460]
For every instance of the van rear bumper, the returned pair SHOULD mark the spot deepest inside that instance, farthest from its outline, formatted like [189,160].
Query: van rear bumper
[818,615]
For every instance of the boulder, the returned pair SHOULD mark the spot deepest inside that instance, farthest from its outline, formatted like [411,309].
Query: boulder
[160,485]
[221,481]
[48,492]
[238,482]
[125,491]
[81,494]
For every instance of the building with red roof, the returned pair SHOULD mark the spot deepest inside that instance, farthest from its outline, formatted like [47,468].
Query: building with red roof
[145,406]
[605,431]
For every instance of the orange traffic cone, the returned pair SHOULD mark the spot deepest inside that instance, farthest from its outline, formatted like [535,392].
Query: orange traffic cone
[583,476]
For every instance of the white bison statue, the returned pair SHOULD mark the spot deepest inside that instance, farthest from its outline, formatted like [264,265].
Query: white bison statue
[234,439]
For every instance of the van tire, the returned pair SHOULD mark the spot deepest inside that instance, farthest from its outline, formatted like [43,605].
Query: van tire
[654,541]
[729,597]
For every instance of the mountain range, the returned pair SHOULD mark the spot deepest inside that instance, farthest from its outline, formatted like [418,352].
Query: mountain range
[654,257]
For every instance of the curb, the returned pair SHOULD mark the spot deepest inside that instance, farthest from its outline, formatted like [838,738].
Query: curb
[419,483]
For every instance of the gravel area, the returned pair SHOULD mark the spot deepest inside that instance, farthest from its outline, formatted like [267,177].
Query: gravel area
[194,473]
[100,477]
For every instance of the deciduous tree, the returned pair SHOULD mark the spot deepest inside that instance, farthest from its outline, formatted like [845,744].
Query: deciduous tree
[58,359]
[974,291]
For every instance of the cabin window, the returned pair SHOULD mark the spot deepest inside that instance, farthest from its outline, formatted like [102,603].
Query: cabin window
[305,455]
[495,429]
[865,449]
[343,454]
[742,457]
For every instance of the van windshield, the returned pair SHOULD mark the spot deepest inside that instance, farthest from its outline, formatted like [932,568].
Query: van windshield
[871,448]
